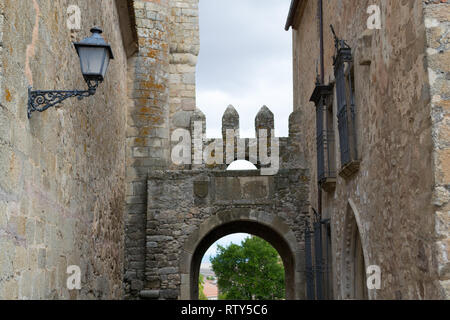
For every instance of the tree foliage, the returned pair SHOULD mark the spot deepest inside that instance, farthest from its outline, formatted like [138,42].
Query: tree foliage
[251,271]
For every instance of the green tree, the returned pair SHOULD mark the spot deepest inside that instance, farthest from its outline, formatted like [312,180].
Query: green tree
[251,271]
[201,287]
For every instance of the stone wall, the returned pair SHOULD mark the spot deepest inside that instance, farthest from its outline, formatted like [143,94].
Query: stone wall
[152,264]
[187,207]
[147,128]
[437,24]
[391,194]
[163,100]
[66,173]
[61,172]
[197,203]
[184,49]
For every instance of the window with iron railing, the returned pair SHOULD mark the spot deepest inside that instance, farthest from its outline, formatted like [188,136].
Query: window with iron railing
[346,110]
[326,168]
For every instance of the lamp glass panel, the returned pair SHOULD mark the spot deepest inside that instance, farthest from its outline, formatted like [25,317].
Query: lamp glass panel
[105,63]
[91,59]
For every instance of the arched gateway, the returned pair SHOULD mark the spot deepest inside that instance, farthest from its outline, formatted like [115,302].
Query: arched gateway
[266,226]
[191,206]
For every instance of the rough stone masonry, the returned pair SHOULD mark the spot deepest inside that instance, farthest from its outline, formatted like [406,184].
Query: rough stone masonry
[92,184]
[62,173]
[398,198]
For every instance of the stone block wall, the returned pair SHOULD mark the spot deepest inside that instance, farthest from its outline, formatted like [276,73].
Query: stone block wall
[437,25]
[151,263]
[189,210]
[163,99]
[61,172]
[392,191]
[184,50]
[147,128]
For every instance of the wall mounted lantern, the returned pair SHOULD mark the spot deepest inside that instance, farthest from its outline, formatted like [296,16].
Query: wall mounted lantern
[94,54]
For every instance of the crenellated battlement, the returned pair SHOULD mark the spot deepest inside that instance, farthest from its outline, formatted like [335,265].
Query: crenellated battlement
[192,149]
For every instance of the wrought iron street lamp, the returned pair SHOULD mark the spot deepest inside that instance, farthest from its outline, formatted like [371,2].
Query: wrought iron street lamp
[94,54]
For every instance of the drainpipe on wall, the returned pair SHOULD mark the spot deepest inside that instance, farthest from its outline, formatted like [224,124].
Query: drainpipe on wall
[322,67]
[319,192]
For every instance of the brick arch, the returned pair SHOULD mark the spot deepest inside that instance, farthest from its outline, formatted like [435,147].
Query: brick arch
[264,225]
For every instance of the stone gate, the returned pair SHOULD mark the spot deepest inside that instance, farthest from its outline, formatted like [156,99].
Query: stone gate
[191,206]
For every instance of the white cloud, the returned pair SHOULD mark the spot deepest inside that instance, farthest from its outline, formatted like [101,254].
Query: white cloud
[245,60]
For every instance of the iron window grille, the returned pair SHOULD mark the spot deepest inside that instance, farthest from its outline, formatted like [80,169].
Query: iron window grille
[326,168]
[346,110]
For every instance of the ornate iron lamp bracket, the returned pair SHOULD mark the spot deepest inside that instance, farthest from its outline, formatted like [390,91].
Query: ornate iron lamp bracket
[41,100]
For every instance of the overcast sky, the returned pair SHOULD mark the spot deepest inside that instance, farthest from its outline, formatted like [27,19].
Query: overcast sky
[245,60]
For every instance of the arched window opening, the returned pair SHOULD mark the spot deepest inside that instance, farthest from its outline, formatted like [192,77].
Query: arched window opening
[241,165]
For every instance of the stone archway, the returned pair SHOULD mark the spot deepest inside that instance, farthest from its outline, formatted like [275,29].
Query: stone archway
[168,200]
[354,262]
[266,226]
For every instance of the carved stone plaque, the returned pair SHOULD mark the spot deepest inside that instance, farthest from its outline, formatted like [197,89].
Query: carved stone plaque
[201,189]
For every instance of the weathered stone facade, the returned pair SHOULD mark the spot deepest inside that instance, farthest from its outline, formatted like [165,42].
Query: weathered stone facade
[189,210]
[192,206]
[437,25]
[163,99]
[94,183]
[62,173]
[398,198]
